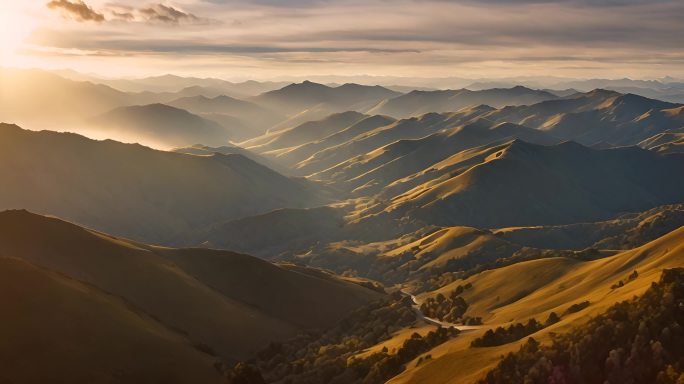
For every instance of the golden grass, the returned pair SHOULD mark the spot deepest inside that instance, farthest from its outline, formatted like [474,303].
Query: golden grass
[534,289]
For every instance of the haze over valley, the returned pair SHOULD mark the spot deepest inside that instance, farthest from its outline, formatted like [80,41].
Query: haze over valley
[342,192]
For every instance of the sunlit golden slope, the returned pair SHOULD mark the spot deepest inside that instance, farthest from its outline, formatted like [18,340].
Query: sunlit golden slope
[534,289]
[456,243]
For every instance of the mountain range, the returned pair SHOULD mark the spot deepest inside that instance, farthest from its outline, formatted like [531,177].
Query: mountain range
[135,191]
[339,233]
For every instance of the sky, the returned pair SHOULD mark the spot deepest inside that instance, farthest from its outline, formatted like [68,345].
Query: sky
[275,39]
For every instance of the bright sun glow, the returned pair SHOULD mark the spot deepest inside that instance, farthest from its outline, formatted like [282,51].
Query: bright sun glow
[15,27]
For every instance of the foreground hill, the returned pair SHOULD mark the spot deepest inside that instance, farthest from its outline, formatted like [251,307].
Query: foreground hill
[162,125]
[592,353]
[536,288]
[134,191]
[171,299]
[79,333]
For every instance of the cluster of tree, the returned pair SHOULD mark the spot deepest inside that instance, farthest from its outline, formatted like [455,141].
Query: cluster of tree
[444,308]
[513,332]
[476,320]
[244,373]
[380,367]
[433,281]
[621,283]
[325,356]
[636,341]
[577,307]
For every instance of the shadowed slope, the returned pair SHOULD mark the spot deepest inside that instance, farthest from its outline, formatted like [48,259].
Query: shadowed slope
[135,191]
[77,333]
[526,184]
[163,125]
[371,172]
[303,133]
[233,303]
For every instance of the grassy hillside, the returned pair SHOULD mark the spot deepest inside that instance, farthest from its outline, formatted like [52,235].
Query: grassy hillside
[152,196]
[637,341]
[55,328]
[526,184]
[534,289]
[233,303]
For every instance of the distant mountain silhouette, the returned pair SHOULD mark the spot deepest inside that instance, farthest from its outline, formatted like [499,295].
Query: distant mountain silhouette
[597,116]
[295,98]
[250,119]
[420,102]
[163,125]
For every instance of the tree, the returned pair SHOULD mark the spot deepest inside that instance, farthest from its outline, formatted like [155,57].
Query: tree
[244,373]
[552,319]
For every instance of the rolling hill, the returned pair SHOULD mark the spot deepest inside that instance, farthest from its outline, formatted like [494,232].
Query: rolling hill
[304,133]
[599,116]
[667,142]
[294,155]
[370,173]
[533,289]
[525,184]
[79,333]
[251,120]
[232,304]
[162,125]
[204,150]
[135,191]
[412,128]
[625,232]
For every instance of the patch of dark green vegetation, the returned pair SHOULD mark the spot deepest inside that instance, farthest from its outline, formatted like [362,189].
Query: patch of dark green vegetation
[636,341]
[329,356]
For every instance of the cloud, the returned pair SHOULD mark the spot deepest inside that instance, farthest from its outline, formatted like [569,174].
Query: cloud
[167,14]
[77,9]
[378,36]
[154,13]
